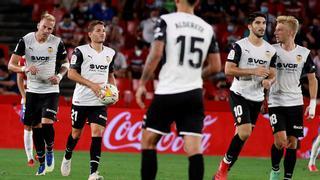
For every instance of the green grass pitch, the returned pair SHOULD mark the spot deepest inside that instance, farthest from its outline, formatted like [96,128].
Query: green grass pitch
[125,166]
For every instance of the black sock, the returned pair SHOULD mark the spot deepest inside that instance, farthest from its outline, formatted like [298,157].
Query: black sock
[71,144]
[196,167]
[149,164]
[276,155]
[39,144]
[234,150]
[289,162]
[95,153]
[48,135]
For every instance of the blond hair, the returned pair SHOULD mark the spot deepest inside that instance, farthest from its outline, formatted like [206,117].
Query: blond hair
[48,17]
[291,21]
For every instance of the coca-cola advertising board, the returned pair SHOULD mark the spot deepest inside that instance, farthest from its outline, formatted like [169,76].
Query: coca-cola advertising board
[123,133]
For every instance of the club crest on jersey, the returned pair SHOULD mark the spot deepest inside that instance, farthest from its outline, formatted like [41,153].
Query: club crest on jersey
[268,54]
[299,58]
[108,59]
[50,49]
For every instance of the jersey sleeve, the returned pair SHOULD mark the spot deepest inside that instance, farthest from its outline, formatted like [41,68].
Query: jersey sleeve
[111,66]
[273,60]
[160,30]
[20,49]
[214,47]
[76,60]
[309,66]
[235,54]
[61,53]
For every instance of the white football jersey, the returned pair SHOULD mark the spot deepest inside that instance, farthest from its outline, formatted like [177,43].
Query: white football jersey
[46,57]
[291,65]
[248,56]
[94,67]
[188,40]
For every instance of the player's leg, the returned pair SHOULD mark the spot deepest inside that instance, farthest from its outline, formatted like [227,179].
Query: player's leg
[33,118]
[277,122]
[97,118]
[49,113]
[314,154]
[27,138]
[149,154]
[192,146]
[189,122]
[78,117]
[294,131]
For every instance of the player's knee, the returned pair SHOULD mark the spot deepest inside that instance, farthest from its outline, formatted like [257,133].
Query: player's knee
[280,143]
[149,140]
[244,135]
[192,150]
[76,134]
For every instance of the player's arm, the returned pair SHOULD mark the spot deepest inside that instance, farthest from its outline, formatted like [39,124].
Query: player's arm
[232,65]
[19,51]
[20,84]
[62,58]
[111,78]
[153,59]
[213,59]
[266,83]
[310,69]
[74,73]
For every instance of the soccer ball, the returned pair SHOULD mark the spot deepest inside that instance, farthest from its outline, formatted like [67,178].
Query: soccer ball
[110,94]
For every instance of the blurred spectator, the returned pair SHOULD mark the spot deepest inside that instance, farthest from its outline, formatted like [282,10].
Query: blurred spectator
[313,34]
[58,11]
[136,61]
[81,14]
[2,58]
[295,8]
[233,34]
[8,81]
[147,26]
[67,29]
[132,32]
[120,65]
[313,8]
[102,10]
[276,7]
[212,11]
[271,20]
[114,37]
[316,61]
[235,14]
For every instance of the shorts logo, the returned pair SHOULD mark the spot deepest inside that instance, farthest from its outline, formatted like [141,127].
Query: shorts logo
[239,119]
[297,127]
[102,117]
[52,111]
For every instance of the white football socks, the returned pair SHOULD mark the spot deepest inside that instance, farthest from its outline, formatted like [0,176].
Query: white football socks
[314,151]
[28,144]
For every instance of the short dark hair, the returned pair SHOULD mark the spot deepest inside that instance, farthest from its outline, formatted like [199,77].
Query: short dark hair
[191,2]
[93,23]
[254,15]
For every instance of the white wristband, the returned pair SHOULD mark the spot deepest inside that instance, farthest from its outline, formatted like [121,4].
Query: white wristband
[59,76]
[313,103]
[23,69]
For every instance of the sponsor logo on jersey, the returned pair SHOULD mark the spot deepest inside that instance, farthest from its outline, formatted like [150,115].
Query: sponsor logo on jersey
[40,58]
[98,67]
[256,61]
[50,49]
[290,67]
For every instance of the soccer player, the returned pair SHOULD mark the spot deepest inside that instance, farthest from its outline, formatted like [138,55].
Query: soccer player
[91,67]
[252,63]
[27,132]
[46,64]
[314,154]
[183,42]
[285,98]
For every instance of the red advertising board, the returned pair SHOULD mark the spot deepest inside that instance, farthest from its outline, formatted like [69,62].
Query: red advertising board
[123,133]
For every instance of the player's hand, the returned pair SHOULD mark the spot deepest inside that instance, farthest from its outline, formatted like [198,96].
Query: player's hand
[96,88]
[54,79]
[140,92]
[311,109]
[266,83]
[261,71]
[32,69]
